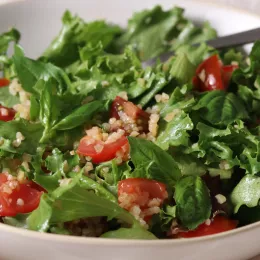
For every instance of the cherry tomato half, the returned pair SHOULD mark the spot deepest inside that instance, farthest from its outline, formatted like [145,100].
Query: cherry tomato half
[218,225]
[212,75]
[108,151]
[141,187]
[6,114]
[131,110]
[23,199]
[4,82]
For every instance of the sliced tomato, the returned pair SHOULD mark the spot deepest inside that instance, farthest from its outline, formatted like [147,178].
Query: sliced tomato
[108,151]
[141,191]
[209,75]
[218,225]
[6,114]
[4,82]
[155,189]
[23,199]
[131,110]
[227,72]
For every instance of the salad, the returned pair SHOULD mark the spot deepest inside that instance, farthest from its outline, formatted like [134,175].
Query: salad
[92,144]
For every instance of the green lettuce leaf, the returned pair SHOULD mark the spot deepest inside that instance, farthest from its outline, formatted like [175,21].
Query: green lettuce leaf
[247,192]
[174,133]
[75,33]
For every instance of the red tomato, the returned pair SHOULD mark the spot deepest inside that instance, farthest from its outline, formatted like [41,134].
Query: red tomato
[218,225]
[23,199]
[89,146]
[6,114]
[144,190]
[130,109]
[209,74]
[227,71]
[4,82]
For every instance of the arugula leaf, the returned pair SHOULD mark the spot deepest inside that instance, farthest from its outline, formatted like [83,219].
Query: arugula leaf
[30,71]
[180,99]
[88,183]
[193,204]
[220,108]
[76,202]
[49,111]
[247,192]
[109,174]
[129,233]
[39,219]
[48,181]
[174,133]
[78,116]
[32,133]
[75,33]
[152,162]
[34,109]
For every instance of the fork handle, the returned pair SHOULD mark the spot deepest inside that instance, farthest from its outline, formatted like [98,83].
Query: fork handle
[237,39]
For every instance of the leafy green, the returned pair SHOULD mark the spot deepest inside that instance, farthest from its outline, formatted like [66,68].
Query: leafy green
[32,133]
[152,162]
[155,31]
[247,192]
[5,39]
[49,111]
[76,202]
[6,99]
[174,133]
[193,204]
[30,71]
[38,220]
[182,69]
[79,116]
[220,108]
[189,164]
[129,233]
[75,33]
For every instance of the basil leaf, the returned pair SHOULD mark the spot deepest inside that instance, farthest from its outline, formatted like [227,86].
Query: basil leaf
[193,204]
[152,162]
[220,108]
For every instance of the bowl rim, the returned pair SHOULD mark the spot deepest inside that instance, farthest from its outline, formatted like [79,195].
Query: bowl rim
[128,242]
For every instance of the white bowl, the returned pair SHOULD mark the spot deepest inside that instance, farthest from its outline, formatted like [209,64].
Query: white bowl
[39,22]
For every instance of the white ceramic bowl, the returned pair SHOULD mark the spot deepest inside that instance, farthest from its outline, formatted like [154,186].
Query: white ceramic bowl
[39,22]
